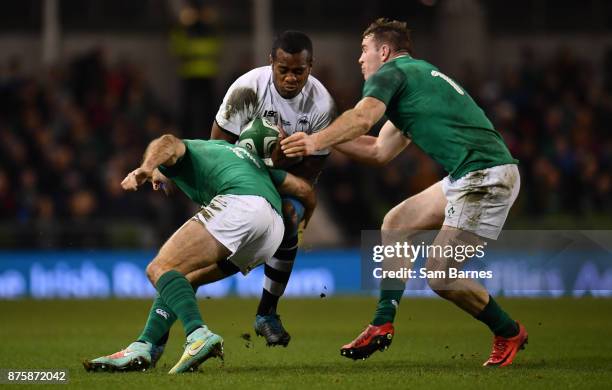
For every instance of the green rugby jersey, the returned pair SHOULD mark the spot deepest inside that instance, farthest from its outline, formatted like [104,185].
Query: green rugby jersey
[438,115]
[211,168]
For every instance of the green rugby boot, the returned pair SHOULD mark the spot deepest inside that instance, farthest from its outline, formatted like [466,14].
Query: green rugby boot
[136,357]
[201,345]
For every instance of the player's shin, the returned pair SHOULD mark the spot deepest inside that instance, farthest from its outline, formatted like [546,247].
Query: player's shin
[159,322]
[178,295]
[277,272]
[391,288]
[390,295]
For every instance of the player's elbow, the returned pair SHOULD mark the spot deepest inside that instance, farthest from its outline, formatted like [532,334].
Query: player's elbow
[174,146]
[169,139]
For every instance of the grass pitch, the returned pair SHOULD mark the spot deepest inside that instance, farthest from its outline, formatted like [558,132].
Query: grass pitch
[436,345]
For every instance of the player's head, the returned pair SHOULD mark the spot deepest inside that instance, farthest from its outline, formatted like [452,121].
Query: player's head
[383,40]
[291,60]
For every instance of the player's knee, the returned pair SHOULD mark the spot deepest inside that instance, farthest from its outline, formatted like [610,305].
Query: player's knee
[156,269]
[392,221]
[151,272]
[436,276]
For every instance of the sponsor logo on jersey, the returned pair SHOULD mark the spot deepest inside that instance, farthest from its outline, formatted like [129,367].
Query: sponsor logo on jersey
[162,313]
[269,114]
[303,124]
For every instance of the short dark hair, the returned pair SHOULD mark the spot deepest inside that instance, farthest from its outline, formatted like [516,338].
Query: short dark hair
[392,32]
[292,42]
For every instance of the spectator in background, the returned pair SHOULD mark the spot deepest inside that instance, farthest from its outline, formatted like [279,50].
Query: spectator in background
[55,143]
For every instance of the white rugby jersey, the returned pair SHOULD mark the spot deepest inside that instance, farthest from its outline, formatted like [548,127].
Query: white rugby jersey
[254,95]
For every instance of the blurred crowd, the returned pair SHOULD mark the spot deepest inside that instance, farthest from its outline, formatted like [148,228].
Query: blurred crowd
[555,116]
[67,138]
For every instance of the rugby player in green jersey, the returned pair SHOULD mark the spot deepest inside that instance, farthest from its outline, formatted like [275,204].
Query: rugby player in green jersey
[426,107]
[240,223]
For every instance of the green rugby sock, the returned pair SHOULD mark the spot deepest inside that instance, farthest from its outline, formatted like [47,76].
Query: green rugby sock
[389,300]
[177,293]
[498,320]
[160,320]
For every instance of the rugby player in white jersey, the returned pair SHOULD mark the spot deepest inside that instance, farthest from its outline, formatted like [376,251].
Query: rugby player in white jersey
[286,94]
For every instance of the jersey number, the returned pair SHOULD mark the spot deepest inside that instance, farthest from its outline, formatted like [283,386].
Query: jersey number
[444,77]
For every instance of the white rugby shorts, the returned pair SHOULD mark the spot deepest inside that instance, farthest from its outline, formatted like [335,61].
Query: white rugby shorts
[479,202]
[247,225]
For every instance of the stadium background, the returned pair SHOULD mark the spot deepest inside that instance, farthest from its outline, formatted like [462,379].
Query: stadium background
[85,85]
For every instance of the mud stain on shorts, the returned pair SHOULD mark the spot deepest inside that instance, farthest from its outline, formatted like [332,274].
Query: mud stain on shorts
[241,99]
[505,186]
[208,212]
[479,194]
[474,198]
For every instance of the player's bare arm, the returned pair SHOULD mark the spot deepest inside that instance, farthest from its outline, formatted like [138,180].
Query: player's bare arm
[376,150]
[302,190]
[165,150]
[350,125]
[217,132]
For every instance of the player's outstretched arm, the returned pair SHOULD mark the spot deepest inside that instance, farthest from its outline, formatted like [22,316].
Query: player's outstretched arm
[350,125]
[376,150]
[302,190]
[165,150]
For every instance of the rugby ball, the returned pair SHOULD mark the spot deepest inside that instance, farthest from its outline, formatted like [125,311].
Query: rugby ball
[260,137]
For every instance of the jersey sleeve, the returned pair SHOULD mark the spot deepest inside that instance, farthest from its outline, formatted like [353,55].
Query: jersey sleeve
[324,119]
[278,176]
[384,84]
[239,103]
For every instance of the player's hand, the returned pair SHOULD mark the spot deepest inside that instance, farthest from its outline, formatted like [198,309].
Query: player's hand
[136,178]
[161,182]
[279,159]
[298,145]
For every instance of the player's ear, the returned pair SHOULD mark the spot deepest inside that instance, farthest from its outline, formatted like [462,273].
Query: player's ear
[385,52]
[271,59]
